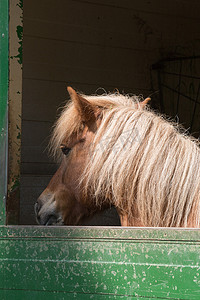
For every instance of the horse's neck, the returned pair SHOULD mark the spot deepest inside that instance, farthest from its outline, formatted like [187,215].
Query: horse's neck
[125,221]
[135,222]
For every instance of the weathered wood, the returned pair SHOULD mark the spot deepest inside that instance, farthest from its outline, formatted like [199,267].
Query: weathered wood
[14,110]
[94,262]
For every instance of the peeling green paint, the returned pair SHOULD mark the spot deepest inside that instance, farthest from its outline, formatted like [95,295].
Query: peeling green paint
[19,31]
[16,183]
[19,136]
[20,4]
[20,36]
[19,133]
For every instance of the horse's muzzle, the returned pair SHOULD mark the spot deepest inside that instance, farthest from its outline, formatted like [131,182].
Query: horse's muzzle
[46,213]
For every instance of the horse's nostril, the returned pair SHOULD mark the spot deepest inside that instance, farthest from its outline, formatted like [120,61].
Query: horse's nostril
[37,207]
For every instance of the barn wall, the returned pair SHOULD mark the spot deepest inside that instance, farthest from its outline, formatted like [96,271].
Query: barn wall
[90,44]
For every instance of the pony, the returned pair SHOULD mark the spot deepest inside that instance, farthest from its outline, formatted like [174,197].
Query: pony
[116,151]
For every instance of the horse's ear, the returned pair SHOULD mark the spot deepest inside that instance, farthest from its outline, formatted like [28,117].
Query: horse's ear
[144,103]
[83,106]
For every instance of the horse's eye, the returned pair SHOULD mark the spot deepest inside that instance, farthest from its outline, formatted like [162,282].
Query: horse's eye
[65,150]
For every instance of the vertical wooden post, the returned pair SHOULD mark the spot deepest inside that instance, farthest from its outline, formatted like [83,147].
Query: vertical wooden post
[14,111]
[3,106]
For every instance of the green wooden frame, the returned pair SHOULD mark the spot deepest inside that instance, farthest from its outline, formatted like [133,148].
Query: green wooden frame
[88,262]
[99,263]
[3,106]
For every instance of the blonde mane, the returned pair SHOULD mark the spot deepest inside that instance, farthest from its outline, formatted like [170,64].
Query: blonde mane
[140,162]
[70,121]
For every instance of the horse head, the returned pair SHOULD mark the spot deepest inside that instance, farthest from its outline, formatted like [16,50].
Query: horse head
[115,151]
[62,201]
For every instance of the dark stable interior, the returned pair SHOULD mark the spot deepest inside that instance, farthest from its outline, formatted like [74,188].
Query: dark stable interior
[137,47]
